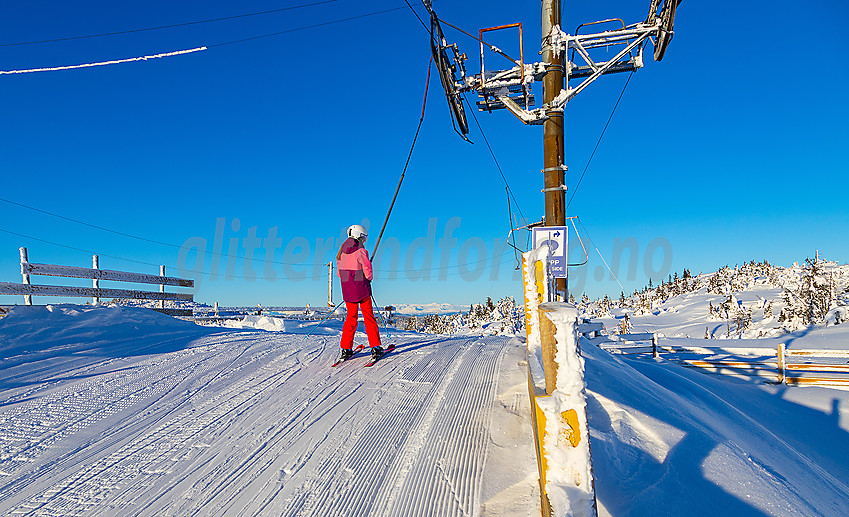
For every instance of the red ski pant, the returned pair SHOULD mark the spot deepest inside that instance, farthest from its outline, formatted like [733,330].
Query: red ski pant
[350,326]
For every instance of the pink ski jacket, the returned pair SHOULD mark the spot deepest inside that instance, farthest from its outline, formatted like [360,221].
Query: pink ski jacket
[354,269]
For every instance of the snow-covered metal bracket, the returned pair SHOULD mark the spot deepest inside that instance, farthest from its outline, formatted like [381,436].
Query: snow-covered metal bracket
[502,89]
[628,59]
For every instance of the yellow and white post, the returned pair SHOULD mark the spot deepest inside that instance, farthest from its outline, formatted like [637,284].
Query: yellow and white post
[557,390]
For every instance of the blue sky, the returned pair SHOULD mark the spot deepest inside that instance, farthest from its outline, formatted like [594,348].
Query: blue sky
[730,149]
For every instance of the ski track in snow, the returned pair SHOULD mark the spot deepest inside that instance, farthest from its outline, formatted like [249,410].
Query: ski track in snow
[253,423]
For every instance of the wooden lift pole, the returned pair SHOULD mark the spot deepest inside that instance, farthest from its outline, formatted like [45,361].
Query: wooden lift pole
[552,140]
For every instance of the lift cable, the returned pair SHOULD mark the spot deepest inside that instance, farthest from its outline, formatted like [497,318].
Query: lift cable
[417,16]
[575,190]
[492,153]
[407,163]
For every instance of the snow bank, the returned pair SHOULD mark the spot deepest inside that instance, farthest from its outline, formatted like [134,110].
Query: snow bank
[670,440]
[72,329]
[258,322]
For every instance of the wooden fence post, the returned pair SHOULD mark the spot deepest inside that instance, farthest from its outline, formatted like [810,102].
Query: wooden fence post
[162,286]
[24,260]
[95,282]
[654,346]
[549,350]
[782,374]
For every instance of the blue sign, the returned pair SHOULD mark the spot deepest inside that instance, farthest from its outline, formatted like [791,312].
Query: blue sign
[556,237]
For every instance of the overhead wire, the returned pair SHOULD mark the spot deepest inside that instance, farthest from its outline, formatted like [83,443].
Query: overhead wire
[296,29]
[170,26]
[255,277]
[515,201]
[103,63]
[129,235]
[587,233]
[185,51]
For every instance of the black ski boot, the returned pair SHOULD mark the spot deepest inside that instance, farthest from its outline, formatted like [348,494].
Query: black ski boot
[376,353]
[346,354]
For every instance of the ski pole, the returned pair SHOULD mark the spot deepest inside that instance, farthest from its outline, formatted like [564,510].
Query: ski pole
[323,320]
[385,325]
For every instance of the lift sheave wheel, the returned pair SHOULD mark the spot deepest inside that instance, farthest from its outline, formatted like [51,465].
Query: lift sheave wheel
[448,64]
[667,20]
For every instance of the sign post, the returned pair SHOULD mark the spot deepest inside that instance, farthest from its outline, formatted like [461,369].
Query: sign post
[557,239]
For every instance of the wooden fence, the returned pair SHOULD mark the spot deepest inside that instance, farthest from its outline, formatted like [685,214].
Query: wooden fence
[779,365]
[28,290]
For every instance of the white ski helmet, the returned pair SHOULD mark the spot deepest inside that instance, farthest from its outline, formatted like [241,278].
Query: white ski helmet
[357,231]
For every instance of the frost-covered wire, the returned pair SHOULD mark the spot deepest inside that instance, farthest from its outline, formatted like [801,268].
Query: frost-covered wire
[104,63]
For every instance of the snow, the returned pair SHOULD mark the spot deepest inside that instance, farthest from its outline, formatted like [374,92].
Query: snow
[422,309]
[533,299]
[693,443]
[269,323]
[121,410]
[124,411]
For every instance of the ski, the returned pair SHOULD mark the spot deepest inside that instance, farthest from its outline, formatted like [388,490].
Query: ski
[339,361]
[385,351]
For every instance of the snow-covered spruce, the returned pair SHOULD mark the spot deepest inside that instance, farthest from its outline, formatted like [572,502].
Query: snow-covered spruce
[790,298]
[490,318]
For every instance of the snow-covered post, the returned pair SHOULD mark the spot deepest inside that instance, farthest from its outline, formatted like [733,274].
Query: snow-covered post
[782,368]
[556,387]
[562,419]
[25,260]
[536,289]
[330,284]
[536,292]
[95,282]
[162,286]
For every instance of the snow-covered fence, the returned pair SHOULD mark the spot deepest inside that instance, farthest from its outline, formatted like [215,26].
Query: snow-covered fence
[631,344]
[780,365]
[28,290]
[587,327]
[558,397]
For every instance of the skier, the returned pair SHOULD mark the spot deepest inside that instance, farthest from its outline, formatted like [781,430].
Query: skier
[354,269]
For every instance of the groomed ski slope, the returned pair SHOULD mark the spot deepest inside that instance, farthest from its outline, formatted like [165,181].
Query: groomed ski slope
[122,411]
[119,411]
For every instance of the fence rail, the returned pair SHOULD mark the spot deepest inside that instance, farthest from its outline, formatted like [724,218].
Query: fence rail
[28,289]
[88,292]
[28,268]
